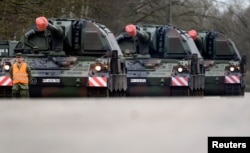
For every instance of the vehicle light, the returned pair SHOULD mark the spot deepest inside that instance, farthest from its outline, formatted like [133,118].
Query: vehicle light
[180,69]
[238,67]
[231,68]
[105,66]
[6,67]
[98,68]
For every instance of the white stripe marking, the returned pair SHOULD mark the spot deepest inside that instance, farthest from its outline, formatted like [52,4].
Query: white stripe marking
[93,81]
[176,81]
[183,81]
[236,79]
[7,82]
[102,81]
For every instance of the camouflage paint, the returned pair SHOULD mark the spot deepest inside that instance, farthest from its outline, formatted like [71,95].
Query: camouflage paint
[65,55]
[220,53]
[153,57]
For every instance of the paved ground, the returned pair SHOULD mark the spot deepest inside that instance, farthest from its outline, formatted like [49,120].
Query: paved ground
[140,125]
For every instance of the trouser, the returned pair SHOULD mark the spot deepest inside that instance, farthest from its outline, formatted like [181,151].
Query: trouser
[20,93]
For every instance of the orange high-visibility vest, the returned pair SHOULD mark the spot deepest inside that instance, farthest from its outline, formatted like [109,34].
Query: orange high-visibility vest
[20,75]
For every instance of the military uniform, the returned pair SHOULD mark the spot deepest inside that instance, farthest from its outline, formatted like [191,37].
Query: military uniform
[20,74]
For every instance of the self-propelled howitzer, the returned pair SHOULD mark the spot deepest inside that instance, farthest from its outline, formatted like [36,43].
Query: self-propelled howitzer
[73,58]
[225,68]
[161,60]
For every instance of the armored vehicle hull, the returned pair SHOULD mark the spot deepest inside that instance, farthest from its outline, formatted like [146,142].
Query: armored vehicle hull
[72,58]
[224,67]
[161,60]
[6,51]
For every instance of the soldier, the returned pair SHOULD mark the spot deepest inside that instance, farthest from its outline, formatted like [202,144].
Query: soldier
[20,74]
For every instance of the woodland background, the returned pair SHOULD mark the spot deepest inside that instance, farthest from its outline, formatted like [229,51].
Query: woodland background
[231,17]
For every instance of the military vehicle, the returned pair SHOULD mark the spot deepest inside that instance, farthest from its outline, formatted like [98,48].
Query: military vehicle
[225,69]
[71,58]
[161,60]
[6,51]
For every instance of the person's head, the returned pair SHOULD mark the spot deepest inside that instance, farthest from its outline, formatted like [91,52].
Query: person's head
[19,57]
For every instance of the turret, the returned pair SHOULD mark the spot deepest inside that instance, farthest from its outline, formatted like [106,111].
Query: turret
[158,41]
[215,45]
[58,36]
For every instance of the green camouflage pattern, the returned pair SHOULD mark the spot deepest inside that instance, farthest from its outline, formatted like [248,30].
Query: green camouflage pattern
[68,55]
[220,54]
[153,58]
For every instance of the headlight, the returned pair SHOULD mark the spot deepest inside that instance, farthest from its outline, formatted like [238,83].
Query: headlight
[180,69]
[105,66]
[6,67]
[231,68]
[98,68]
